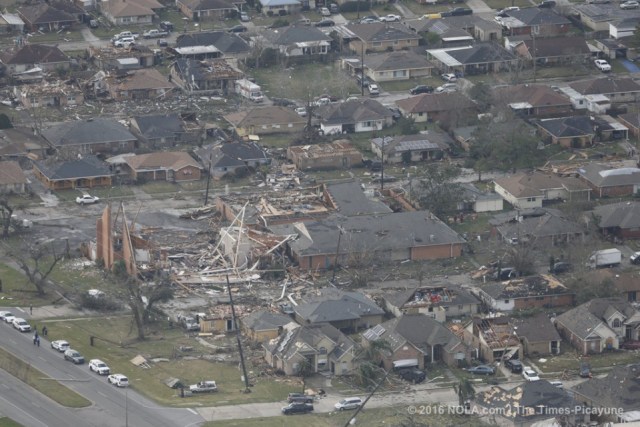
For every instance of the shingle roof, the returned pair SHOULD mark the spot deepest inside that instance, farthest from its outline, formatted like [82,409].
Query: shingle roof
[93,131]
[535,95]
[583,319]
[435,102]
[334,305]
[350,200]
[605,85]
[386,232]
[379,31]
[550,223]
[159,125]
[619,389]
[353,111]
[537,16]
[121,8]
[44,14]
[568,127]
[208,4]
[11,173]
[295,34]
[604,176]
[34,54]
[143,79]
[623,215]
[262,320]
[557,47]
[481,53]
[397,60]
[421,331]
[86,167]
[536,328]
[225,42]
[264,116]
[537,183]
[172,160]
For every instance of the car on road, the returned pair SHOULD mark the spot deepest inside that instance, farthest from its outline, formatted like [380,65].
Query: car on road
[417,90]
[547,4]
[560,267]
[556,383]
[514,365]
[8,317]
[166,26]
[73,356]
[529,374]
[325,23]
[237,29]
[99,367]
[5,314]
[118,380]
[60,345]
[390,18]
[154,34]
[297,408]
[125,42]
[87,199]
[449,77]
[203,387]
[21,325]
[630,4]
[412,375]
[482,370]
[324,11]
[244,17]
[634,259]
[299,397]
[602,65]
[302,112]
[348,403]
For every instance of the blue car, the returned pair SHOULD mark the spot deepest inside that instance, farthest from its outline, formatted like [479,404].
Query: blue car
[482,370]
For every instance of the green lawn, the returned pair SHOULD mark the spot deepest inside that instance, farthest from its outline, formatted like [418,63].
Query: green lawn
[570,361]
[65,36]
[8,422]
[16,289]
[78,275]
[38,380]
[115,344]
[501,4]
[105,193]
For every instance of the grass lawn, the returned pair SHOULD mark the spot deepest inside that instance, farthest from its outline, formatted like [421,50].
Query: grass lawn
[8,422]
[16,289]
[77,275]
[159,187]
[65,36]
[471,225]
[164,344]
[105,193]
[405,85]
[569,360]
[38,380]
[501,4]
[390,416]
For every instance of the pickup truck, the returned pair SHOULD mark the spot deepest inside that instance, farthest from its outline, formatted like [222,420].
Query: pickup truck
[154,34]
[203,387]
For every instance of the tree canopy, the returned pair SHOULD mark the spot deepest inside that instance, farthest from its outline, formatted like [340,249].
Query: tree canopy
[437,190]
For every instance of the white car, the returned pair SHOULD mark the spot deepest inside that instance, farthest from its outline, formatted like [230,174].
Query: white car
[21,325]
[99,367]
[302,111]
[447,87]
[390,18]
[60,345]
[602,65]
[630,4]
[9,317]
[325,11]
[348,403]
[374,89]
[125,42]
[529,374]
[449,77]
[118,380]
[87,199]
[4,314]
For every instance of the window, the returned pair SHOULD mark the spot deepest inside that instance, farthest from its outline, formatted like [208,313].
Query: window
[367,124]
[531,199]
[616,323]
[446,308]
[460,307]
[506,301]
[396,42]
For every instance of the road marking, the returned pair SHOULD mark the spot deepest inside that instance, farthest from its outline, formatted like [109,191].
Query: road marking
[193,411]
[19,309]
[42,358]
[101,394]
[4,385]
[24,412]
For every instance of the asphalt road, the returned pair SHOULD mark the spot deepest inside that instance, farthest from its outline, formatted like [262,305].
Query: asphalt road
[112,407]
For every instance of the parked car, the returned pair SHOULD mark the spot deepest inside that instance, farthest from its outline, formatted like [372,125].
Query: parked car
[374,90]
[99,367]
[302,111]
[162,42]
[413,375]
[297,408]
[8,317]
[397,114]
[324,11]
[244,17]
[634,259]
[629,4]
[5,314]
[602,65]
[21,325]
[560,267]
[299,397]
[556,383]
[325,23]
[390,18]
[124,42]
[449,77]
[87,199]
[482,370]
[457,11]
[505,273]
[154,34]
[447,87]
[204,387]
[60,345]
[514,365]
[585,370]
[166,26]
[421,89]
[118,380]
[529,374]
[369,19]
[348,403]
[73,356]
[547,4]
[237,29]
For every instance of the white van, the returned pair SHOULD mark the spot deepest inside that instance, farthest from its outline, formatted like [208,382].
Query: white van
[348,403]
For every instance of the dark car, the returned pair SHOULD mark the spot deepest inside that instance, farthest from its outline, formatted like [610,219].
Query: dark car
[514,365]
[397,114]
[421,89]
[237,29]
[297,408]
[325,23]
[413,375]
[505,273]
[363,81]
[560,267]
[460,11]
[166,26]
[162,42]
[299,397]
[482,370]
[547,4]
[585,370]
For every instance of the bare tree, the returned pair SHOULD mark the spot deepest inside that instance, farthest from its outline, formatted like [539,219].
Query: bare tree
[521,257]
[37,261]
[6,212]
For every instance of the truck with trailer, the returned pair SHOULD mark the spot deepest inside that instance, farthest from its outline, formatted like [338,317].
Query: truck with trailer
[605,258]
[249,90]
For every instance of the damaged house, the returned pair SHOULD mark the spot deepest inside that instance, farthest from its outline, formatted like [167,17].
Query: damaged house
[210,44]
[438,302]
[160,130]
[339,154]
[141,84]
[231,157]
[33,59]
[112,58]
[203,76]
[99,135]
[497,338]
[49,95]
[324,347]
[536,225]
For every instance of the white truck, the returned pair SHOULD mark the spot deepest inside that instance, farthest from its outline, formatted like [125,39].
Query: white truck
[249,90]
[204,387]
[123,35]
[605,258]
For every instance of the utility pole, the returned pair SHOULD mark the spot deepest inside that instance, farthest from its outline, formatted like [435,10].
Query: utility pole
[361,63]
[235,325]
[206,194]
[386,374]
[535,54]
[335,261]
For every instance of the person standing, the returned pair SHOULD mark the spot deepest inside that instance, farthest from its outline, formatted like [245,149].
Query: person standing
[36,338]
[30,309]
[44,331]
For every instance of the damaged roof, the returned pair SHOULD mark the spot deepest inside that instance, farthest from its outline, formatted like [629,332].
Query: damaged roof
[623,215]
[353,111]
[263,320]
[159,125]
[230,154]
[265,116]
[349,199]
[332,305]
[34,54]
[428,140]
[526,287]
[305,340]
[442,296]
[225,42]
[144,79]
[601,175]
